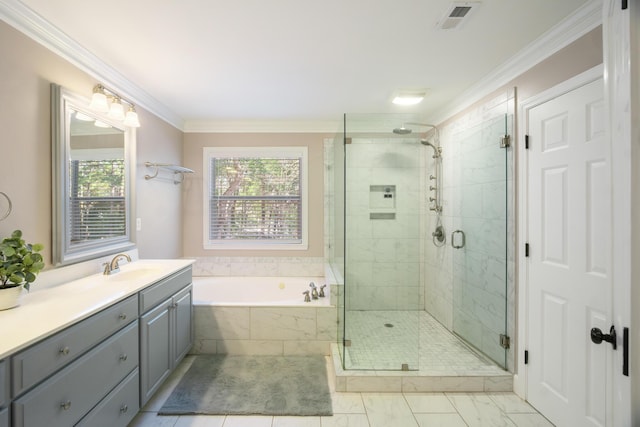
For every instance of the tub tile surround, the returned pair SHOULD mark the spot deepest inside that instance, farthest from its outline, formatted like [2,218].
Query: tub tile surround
[284,331]
[259,266]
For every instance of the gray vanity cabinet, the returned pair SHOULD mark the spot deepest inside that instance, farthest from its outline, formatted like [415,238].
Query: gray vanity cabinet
[4,393]
[61,379]
[166,330]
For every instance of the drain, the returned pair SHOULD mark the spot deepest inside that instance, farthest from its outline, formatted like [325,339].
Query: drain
[388,325]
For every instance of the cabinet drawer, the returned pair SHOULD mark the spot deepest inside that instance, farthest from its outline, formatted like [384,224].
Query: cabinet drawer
[118,408]
[41,360]
[4,383]
[65,398]
[165,288]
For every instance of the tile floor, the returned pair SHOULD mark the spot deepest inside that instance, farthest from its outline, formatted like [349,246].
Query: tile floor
[367,410]
[385,340]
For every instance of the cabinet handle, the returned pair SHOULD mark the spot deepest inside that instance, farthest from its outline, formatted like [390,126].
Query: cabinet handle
[64,350]
[66,405]
[124,408]
[122,316]
[123,357]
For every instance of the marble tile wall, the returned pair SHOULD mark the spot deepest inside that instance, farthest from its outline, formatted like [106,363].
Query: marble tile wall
[471,291]
[383,255]
[283,331]
[259,266]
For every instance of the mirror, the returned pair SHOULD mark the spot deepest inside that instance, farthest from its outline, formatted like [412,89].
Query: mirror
[92,185]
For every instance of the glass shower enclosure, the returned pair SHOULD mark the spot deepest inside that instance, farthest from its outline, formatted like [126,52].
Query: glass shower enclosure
[395,279]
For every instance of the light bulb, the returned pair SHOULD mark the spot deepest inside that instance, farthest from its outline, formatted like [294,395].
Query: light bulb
[99,100]
[131,118]
[116,111]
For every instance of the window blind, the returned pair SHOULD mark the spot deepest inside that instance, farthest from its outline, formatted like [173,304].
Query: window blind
[97,202]
[255,199]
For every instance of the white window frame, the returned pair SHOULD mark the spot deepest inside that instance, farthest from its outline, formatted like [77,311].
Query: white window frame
[258,152]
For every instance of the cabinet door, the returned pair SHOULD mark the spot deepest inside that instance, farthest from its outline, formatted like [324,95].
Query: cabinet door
[4,417]
[155,349]
[183,324]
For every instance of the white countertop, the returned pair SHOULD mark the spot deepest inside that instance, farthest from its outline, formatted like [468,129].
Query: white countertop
[44,312]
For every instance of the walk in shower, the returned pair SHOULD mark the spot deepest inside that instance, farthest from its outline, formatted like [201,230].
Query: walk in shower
[418,233]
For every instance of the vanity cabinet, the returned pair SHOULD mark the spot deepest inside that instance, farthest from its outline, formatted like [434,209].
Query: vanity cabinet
[60,380]
[4,393]
[166,330]
[100,370]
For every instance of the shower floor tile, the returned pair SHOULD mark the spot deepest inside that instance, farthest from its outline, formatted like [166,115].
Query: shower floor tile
[385,340]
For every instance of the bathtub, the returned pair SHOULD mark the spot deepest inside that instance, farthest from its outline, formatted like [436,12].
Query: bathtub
[261,316]
[256,291]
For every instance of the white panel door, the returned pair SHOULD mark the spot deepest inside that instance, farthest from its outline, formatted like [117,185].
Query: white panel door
[569,286]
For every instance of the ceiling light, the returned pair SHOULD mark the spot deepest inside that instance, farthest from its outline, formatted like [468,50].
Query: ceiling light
[107,101]
[408,98]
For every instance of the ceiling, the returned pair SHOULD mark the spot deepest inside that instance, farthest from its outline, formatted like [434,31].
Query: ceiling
[299,60]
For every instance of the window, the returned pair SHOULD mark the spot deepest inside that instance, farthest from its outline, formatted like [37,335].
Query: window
[256,198]
[97,203]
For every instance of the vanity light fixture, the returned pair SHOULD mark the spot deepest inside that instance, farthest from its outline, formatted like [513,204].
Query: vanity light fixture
[107,101]
[100,124]
[116,110]
[131,118]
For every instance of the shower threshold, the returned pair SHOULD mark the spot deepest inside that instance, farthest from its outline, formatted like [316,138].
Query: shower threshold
[446,363]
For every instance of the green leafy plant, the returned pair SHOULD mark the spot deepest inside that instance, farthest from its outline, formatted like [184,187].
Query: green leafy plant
[20,262]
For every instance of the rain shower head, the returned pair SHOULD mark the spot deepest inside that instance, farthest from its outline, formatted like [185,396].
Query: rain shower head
[402,131]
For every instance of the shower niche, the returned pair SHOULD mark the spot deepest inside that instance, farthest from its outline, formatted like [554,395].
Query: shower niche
[382,202]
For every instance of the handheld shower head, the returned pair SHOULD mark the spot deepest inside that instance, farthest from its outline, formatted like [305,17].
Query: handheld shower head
[437,151]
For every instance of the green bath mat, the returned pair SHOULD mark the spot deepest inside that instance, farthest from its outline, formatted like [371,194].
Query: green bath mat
[252,385]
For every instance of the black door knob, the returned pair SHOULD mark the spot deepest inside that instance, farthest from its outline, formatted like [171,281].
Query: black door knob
[597,336]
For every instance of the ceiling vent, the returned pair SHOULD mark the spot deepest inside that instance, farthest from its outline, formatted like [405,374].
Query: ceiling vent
[457,14]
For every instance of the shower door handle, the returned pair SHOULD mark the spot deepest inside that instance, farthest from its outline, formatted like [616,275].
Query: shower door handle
[453,239]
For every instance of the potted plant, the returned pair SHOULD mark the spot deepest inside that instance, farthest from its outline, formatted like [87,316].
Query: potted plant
[20,262]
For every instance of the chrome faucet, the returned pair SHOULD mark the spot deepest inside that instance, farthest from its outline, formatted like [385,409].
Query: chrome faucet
[113,267]
[314,290]
[321,294]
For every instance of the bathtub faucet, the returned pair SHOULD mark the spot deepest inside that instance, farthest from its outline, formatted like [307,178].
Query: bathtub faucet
[314,290]
[306,296]
[321,294]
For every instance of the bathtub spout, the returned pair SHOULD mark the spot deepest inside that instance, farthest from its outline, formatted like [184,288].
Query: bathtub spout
[314,290]
[307,298]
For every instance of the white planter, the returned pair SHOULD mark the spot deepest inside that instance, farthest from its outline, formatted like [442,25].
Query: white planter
[10,297]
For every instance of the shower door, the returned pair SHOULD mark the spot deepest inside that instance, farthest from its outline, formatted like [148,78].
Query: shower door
[382,247]
[479,238]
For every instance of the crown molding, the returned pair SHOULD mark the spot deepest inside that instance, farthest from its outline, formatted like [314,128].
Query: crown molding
[25,20]
[583,20]
[262,126]
[19,16]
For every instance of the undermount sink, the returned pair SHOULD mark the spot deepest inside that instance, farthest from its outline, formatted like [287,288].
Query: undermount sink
[133,274]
